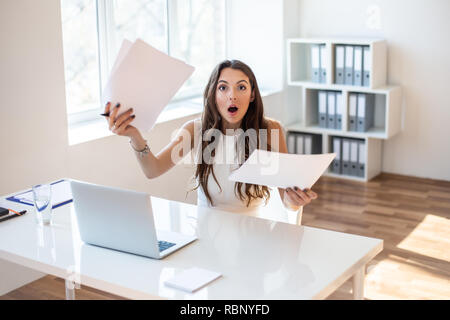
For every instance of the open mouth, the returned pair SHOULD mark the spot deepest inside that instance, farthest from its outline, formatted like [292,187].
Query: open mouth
[232,109]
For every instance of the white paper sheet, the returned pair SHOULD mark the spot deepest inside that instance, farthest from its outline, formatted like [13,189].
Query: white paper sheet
[282,170]
[192,279]
[145,79]
[124,48]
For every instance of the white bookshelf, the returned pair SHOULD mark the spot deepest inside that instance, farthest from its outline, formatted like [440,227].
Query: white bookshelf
[387,106]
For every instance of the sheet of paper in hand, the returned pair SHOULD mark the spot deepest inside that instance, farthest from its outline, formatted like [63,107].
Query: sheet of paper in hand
[282,170]
[145,79]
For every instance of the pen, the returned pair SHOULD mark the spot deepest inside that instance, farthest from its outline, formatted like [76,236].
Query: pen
[17,214]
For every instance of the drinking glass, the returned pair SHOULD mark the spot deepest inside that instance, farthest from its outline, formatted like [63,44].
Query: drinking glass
[42,196]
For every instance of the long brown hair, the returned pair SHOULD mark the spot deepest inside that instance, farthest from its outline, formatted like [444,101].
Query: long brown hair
[211,119]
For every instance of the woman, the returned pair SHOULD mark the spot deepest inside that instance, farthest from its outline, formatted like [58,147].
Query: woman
[233,107]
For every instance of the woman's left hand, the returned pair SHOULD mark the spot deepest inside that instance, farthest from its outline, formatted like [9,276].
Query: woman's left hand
[294,197]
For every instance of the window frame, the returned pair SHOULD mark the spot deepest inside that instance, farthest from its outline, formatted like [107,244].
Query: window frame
[105,46]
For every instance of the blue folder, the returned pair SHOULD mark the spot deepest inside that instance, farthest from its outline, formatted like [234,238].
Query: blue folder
[13,198]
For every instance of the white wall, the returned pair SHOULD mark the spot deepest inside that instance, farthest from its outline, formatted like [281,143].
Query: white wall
[256,39]
[417,33]
[33,126]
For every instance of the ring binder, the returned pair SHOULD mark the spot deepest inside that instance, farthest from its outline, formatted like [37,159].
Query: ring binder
[357,75]
[349,65]
[331,110]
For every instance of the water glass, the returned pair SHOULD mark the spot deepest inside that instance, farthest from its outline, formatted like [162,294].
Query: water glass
[42,197]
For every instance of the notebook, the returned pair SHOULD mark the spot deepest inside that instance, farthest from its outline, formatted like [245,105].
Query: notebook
[192,279]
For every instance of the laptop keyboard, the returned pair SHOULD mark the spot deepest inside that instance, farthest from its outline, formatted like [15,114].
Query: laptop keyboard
[163,245]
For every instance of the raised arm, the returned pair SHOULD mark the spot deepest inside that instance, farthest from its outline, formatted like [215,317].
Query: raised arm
[152,166]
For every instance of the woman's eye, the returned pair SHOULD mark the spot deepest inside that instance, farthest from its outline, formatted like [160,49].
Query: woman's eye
[242,87]
[221,88]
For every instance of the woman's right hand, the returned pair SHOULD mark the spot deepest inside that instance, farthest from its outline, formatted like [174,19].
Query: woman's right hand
[121,125]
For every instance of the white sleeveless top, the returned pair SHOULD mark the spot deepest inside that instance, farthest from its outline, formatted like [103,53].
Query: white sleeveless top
[225,161]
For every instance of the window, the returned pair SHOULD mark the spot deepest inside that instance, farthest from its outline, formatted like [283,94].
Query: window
[190,30]
[80,55]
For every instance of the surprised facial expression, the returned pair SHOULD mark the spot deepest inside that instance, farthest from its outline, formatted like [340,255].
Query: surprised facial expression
[233,96]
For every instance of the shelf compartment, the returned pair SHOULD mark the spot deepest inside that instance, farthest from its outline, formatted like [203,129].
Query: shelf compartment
[311,111]
[371,154]
[386,113]
[374,113]
[300,62]
[304,142]
[387,117]
[299,59]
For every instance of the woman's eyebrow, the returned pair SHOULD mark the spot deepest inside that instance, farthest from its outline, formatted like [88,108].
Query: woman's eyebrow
[236,82]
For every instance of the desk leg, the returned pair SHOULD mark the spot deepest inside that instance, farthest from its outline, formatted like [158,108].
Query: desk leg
[70,289]
[358,284]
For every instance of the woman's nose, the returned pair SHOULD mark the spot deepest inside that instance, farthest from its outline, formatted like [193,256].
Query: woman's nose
[232,96]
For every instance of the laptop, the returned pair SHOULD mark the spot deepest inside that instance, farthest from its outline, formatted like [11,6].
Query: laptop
[122,220]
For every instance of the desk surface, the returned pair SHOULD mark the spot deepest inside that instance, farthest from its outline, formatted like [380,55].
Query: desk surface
[259,258]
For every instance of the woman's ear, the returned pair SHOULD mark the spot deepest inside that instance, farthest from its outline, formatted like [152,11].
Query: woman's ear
[252,97]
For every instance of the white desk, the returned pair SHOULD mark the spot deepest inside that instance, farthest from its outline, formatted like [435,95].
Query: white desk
[259,258]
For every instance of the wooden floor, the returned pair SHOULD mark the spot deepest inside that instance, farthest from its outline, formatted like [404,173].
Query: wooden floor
[411,215]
